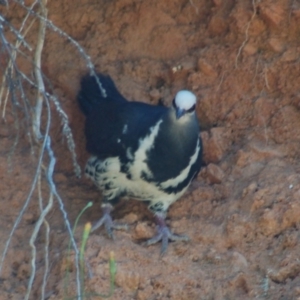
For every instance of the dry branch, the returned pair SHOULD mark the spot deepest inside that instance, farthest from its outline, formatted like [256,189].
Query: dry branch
[38,74]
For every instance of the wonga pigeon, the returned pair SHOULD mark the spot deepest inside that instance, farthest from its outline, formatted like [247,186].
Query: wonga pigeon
[146,152]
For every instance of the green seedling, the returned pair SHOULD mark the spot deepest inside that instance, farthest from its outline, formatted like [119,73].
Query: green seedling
[112,263]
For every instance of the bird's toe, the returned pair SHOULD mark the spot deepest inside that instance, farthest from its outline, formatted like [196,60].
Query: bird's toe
[165,235]
[109,225]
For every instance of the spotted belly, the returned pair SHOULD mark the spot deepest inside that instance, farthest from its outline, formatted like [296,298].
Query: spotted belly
[114,183]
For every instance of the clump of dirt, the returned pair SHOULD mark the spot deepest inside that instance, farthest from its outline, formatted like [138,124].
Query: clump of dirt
[241,58]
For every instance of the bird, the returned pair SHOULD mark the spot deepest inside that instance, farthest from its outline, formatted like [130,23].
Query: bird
[149,153]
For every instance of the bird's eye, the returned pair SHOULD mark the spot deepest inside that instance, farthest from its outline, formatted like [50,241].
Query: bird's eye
[173,103]
[191,109]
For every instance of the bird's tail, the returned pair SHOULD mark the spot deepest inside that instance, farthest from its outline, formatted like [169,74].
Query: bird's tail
[90,93]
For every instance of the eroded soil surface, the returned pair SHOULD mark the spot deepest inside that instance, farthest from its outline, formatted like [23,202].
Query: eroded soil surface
[242,214]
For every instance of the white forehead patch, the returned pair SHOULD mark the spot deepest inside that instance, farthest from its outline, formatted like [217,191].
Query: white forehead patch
[185,99]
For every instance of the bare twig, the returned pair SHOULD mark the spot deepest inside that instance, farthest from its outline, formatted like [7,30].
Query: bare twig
[46,271]
[196,8]
[68,133]
[53,189]
[27,201]
[265,72]
[65,121]
[36,230]
[12,71]
[246,33]
[37,70]
[88,60]
[12,86]
[17,46]
[47,233]
[16,32]
[221,81]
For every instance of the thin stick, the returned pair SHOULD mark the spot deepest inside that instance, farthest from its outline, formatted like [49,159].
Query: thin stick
[37,70]
[90,65]
[246,34]
[17,46]
[33,238]
[65,215]
[47,234]
[24,206]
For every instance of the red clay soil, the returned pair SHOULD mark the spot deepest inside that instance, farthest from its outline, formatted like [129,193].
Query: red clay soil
[242,213]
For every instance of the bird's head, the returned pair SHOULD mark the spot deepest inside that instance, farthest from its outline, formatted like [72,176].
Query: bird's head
[184,103]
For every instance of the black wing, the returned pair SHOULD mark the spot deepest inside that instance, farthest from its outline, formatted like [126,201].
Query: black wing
[114,126]
[90,94]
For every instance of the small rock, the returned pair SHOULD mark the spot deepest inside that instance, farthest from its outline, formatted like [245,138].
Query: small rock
[269,223]
[250,49]
[183,69]
[243,158]
[261,151]
[214,174]
[259,199]
[130,218]
[276,44]
[217,25]
[273,14]
[257,27]
[291,215]
[290,55]
[143,231]
[251,188]
[290,271]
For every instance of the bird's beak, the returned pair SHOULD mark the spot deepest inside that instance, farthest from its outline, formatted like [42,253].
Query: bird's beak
[179,113]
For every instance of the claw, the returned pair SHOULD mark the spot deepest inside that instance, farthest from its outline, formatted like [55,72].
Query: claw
[108,222]
[164,234]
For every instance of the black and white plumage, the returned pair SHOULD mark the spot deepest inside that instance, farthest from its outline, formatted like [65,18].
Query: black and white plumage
[149,153]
